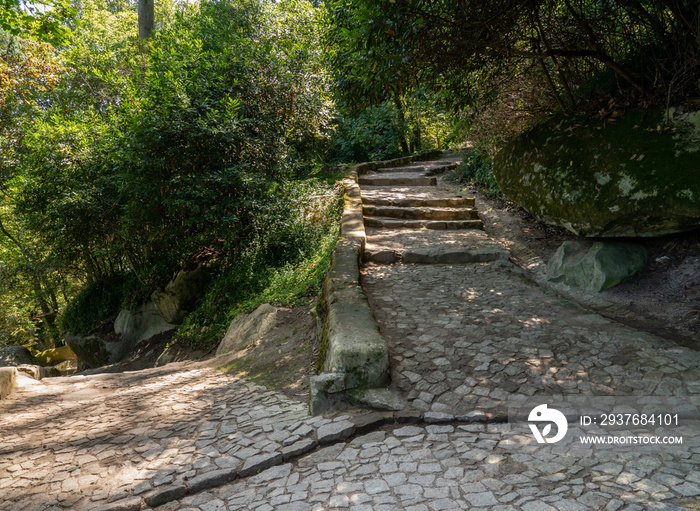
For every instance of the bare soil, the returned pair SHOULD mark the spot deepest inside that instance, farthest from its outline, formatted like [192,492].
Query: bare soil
[663,299]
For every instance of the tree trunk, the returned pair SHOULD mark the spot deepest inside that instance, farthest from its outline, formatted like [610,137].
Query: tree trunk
[401,122]
[146,18]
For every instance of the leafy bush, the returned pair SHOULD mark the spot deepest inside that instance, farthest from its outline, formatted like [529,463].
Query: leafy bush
[476,169]
[371,135]
[284,263]
[99,301]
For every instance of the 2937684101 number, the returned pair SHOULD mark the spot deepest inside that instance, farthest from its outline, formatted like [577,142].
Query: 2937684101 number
[638,419]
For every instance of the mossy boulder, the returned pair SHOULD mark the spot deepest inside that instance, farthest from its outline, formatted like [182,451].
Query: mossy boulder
[635,175]
[596,266]
[94,351]
[54,356]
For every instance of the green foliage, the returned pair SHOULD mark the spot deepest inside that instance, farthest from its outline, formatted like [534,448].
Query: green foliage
[142,159]
[371,135]
[476,169]
[99,301]
[43,20]
[285,263]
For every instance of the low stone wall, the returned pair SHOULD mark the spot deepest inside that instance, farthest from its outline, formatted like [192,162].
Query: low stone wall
[355,356]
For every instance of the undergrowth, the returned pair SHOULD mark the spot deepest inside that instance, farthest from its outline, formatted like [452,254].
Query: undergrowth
[98,301]
[284,264]
[476,169]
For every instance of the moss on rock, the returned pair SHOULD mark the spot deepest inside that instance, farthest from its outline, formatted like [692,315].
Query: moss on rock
[629,177]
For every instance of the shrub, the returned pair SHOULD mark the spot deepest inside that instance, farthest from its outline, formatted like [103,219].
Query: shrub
[476,169]
[371,135]
[98,302]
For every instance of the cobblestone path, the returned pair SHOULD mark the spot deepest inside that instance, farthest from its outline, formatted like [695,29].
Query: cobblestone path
[466,330]
[80,442]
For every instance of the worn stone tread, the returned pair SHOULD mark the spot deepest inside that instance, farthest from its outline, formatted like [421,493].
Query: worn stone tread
[393,223]
[421,213]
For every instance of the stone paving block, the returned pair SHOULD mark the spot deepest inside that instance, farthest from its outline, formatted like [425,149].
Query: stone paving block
[162,495]
[298,448]
[130,504]
[258,463]
[436,417]
[335,431]
[210,480]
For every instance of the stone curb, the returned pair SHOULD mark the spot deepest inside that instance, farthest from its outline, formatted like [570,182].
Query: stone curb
[326,435]
[352,347]
[8,381]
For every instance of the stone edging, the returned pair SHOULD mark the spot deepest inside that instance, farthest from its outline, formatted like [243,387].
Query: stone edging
[8,381]
[354,354]
[340,430]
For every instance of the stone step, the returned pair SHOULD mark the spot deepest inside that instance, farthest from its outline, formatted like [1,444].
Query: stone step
[428,169]
[393,223]
[436,256]
[399,180]
[407,168]
[421,213]
[460,202]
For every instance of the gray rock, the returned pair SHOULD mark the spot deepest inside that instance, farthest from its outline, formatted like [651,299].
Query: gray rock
[94,351]
[596,266]
[382,399]
[141,324]
[210,480]
[607,179]
[435,417]
[247,328]
[474,416]
[181,294]
[328,382]
[13,356]
[335,431]
[162,495]
[258,463]
[298,448]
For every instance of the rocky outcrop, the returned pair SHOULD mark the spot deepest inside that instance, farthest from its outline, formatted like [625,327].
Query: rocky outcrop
[247,328]
[180,296]
[596,266]
[54,356]
[12,356]
[95,351]
[131,327]
[141,324]
[618,177]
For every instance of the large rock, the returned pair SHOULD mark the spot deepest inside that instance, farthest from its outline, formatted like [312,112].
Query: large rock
[12,356]
[622,178]
[95,351]
[142,324]
[54,356]
[181,294]
[596,266]
[247,328]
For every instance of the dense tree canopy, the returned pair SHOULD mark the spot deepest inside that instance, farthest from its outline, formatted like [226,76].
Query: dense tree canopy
[127,158]
[579,50]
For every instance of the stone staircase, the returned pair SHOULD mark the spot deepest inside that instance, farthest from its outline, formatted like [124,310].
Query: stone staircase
[413,216]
